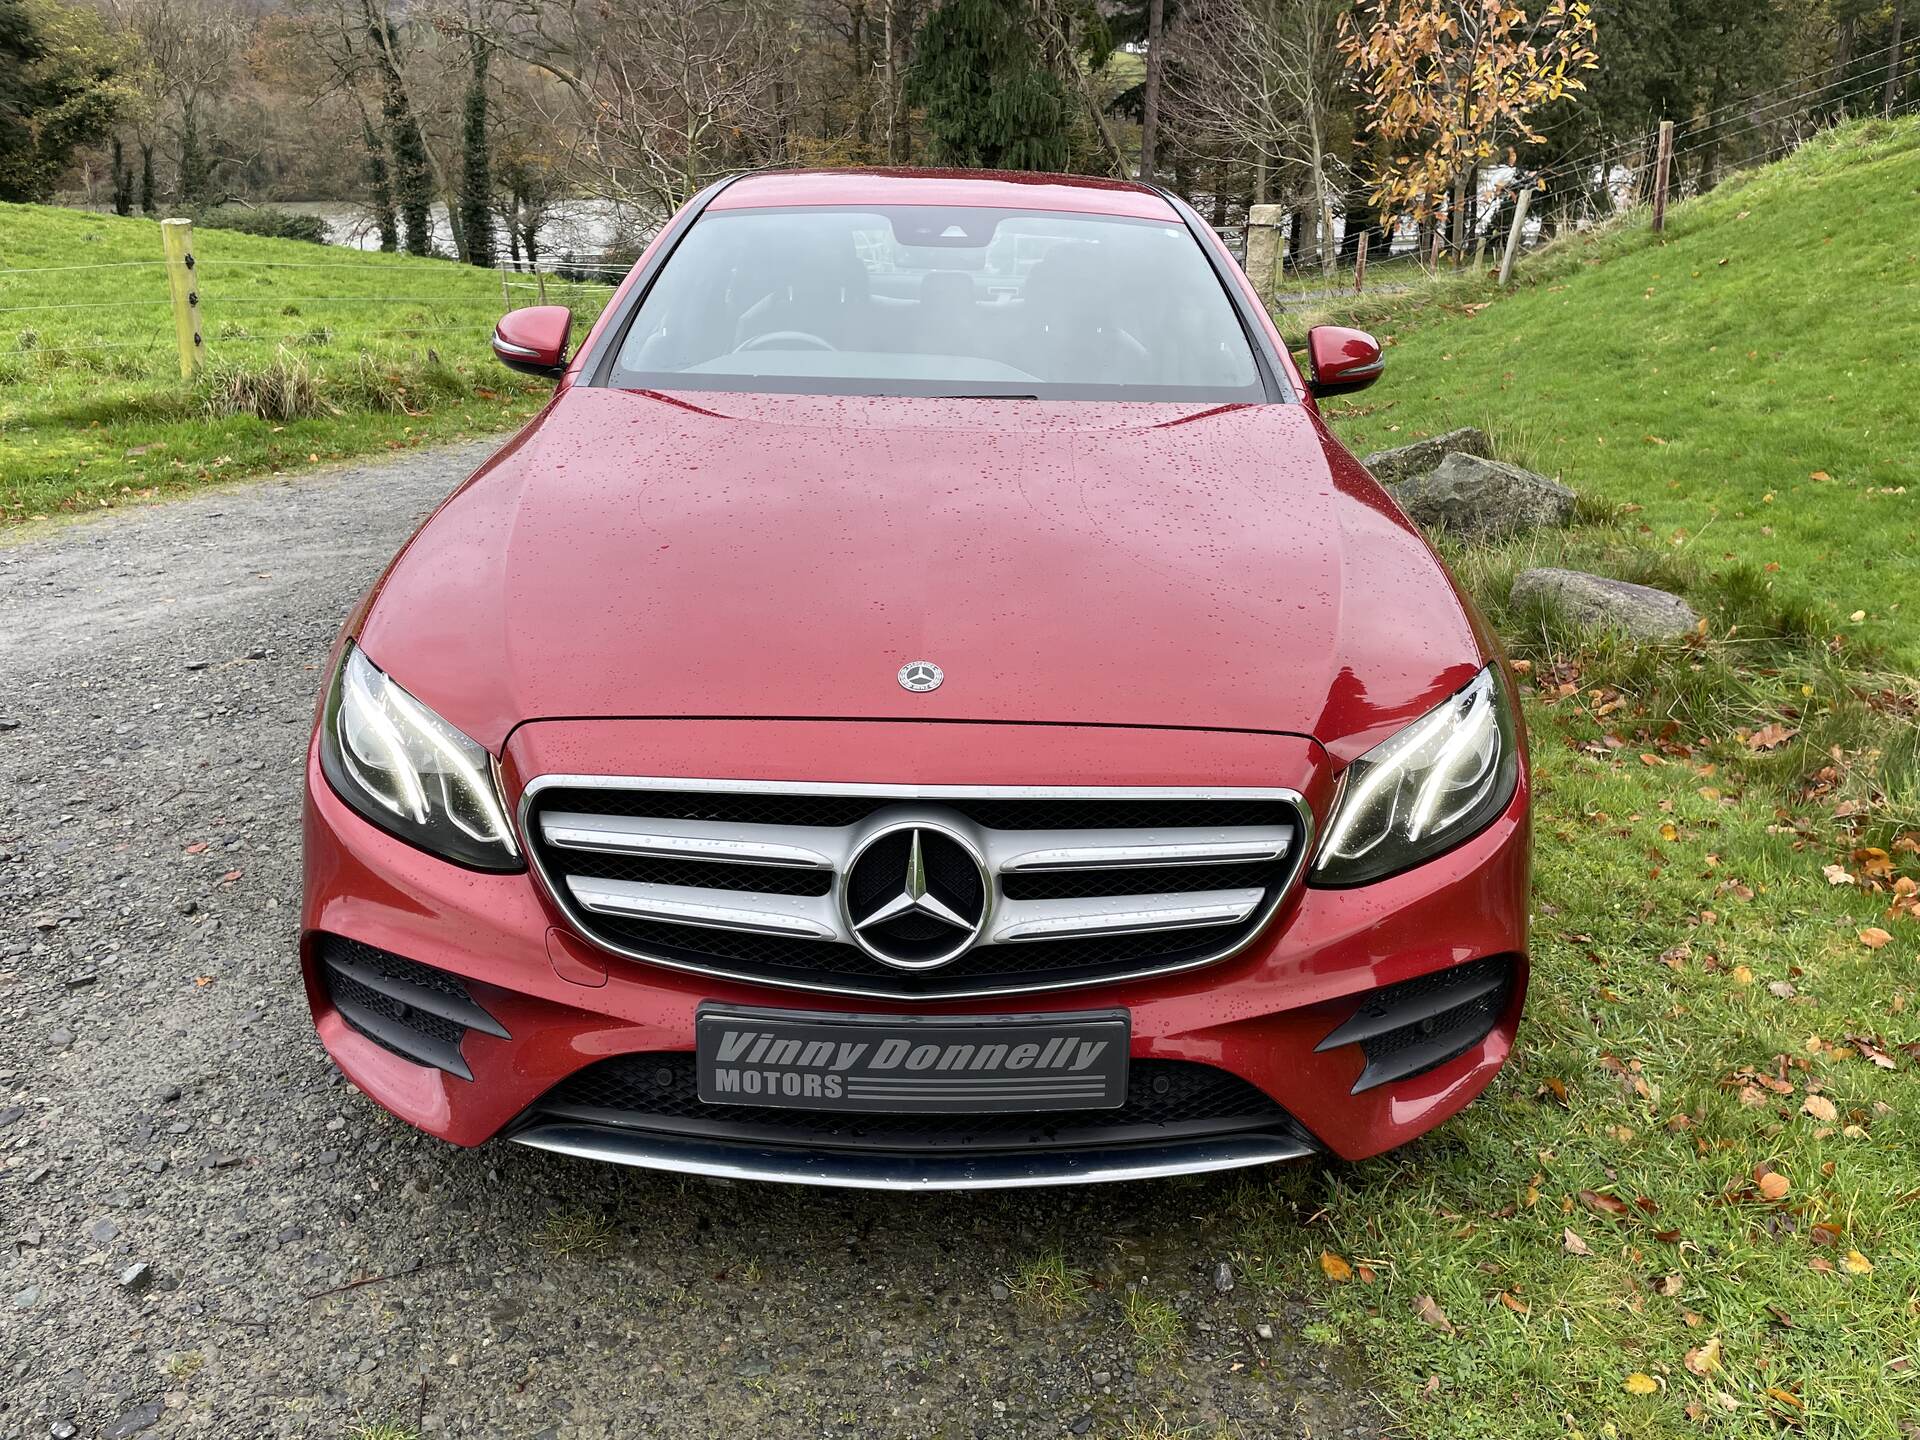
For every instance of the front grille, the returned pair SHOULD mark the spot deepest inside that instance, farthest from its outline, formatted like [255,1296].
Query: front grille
[1418,1025]
[1166,1100]
[417,1012]
[756,881]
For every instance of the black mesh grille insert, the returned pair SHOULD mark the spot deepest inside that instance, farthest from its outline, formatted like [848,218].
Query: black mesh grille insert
[777,958]
[415,1011]
[1408,1029]
[1136,880]
[1165,1099]
[710,875]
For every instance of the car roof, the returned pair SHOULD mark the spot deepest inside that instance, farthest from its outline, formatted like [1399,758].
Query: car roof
[989,189]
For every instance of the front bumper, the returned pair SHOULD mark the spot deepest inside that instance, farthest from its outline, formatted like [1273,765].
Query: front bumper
[564,1004]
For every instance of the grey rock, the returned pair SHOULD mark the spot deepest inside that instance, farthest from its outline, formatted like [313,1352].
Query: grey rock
[1223,1277]
[1480,499]
[62,1430]
[134,1421]
[102,1231]
[1422,456]
[11,1113]
[1000,1290]
[27,1298]
[1639,611]
[136,1277]
[59,1039]
[169,1094]
[1263,1330]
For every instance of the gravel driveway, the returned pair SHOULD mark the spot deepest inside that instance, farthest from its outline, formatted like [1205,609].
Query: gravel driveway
[203,1229]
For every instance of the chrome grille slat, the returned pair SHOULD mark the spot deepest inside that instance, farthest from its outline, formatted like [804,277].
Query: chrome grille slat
[807,847]
[1025,921]
[606,846]
[795,915]
[1010,850]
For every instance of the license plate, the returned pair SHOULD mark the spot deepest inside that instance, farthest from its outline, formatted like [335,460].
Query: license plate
[890,1064]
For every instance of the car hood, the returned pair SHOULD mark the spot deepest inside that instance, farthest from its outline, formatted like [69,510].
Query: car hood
[678,555]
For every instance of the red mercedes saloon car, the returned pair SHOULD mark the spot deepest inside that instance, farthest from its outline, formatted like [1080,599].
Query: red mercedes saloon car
[927,704]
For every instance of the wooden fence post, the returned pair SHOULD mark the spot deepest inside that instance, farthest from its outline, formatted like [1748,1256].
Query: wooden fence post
[176,240]
[1360,263]
[1662,166]
[541,280]
[506,300]
[1520,202]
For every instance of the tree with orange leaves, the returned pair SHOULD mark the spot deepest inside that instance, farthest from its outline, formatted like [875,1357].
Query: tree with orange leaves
[1450,85]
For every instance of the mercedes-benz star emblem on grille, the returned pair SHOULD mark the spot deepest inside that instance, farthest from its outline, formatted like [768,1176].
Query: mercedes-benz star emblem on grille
[921,676]
[916,897]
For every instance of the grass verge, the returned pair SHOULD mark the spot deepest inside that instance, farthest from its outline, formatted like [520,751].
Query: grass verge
[314,353]
[1691,1206]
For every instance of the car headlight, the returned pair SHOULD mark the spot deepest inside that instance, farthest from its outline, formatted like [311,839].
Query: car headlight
[1441,780]
[409,771]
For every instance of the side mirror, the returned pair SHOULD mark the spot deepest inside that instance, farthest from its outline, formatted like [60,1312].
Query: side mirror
[1341,361]
[534,340]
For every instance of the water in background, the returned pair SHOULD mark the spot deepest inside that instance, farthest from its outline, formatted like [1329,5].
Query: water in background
[572,229]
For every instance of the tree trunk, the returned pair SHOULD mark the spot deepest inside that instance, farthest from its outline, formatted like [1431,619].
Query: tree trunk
[1150,99]
[476,177]
[149,202]
[194,177]
[380,187]
[888,78]
[862,113]
[1890,101]
[122,180]
[1322,212]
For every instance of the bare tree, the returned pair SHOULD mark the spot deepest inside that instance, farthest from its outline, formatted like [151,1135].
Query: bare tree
[665,95]
[193,48]
[1156,75]
[1261,76]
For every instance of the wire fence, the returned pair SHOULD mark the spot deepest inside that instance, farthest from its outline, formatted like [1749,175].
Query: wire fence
[1619,181]
[252,307]
[337,305]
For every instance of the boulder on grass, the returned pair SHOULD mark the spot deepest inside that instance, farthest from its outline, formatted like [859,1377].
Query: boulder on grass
[1481,499]
[1387,466]
[1593,600]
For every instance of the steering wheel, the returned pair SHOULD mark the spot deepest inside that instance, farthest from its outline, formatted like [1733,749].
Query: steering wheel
[786,340]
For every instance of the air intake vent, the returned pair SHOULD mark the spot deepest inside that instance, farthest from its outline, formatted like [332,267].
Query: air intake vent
[1005,889]
[1418,1025]
[1166,1100]
[419,1013]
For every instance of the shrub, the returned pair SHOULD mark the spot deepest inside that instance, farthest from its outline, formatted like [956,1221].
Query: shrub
[284,388]
[385,386]
[262,220]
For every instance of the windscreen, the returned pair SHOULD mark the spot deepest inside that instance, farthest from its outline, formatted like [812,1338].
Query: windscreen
[934,300]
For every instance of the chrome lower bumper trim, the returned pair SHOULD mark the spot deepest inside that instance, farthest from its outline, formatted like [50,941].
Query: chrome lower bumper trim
[870,1171]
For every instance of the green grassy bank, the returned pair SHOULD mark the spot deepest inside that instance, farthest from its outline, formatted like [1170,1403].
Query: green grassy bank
[315,353]
[1692,1204]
